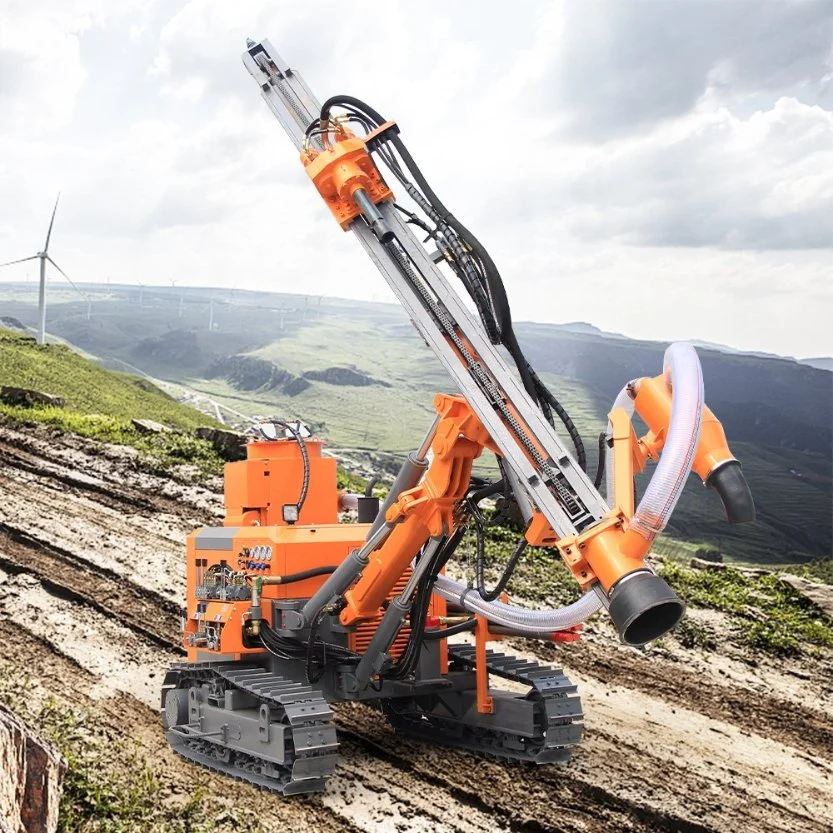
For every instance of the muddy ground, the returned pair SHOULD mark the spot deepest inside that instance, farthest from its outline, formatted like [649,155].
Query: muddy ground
[91,580]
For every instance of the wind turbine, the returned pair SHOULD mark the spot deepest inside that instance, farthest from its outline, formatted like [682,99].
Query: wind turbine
[43,257]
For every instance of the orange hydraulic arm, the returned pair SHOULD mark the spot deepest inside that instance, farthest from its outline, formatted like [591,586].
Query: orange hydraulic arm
[427,511]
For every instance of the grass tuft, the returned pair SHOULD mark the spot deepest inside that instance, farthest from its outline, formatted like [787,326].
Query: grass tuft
[693,634]
[773,616]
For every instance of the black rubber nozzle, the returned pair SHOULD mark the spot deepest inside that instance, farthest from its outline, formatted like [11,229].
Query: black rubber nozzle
[643,607]
[728,481]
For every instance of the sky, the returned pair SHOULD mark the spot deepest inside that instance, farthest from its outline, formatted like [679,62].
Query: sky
[662,169]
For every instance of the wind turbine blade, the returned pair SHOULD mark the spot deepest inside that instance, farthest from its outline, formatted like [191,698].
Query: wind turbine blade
[49,233]
[22,260]
[82,294]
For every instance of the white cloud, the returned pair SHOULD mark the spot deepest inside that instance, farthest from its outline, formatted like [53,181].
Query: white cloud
[665,185]
[713,179]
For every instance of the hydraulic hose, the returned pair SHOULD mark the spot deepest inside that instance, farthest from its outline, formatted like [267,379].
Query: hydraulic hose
[684,376]
[533,622]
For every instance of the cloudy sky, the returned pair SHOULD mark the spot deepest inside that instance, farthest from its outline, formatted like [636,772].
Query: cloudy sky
[658,168]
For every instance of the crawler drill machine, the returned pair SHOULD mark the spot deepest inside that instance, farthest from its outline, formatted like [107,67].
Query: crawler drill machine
[289,611]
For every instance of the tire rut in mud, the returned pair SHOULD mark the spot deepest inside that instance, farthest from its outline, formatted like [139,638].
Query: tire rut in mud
[67,576]
[554,798]
[104,493]
[116,479]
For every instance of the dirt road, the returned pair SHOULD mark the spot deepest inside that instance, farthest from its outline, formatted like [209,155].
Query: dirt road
[91,570]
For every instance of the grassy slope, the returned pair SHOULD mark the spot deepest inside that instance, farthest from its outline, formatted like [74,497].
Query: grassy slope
[86,387]
[100,404]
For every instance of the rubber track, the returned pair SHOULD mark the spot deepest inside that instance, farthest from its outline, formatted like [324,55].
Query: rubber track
[313,748]
[558,714]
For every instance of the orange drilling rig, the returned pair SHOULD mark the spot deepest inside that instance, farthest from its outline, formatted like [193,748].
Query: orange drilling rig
[289,610]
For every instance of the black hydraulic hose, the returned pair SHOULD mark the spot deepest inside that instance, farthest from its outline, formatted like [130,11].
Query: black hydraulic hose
[419,610]
[487,491]
[480,566]
[566,420]
[348,101]
[290,578]
[500,304]
[600,466]
[498,298]
[444,633]
[497,291]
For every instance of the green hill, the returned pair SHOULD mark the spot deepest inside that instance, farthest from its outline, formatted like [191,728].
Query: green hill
[101,404]
[86,387]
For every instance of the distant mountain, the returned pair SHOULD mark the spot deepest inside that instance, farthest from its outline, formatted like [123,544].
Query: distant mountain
[778,413]
[722,348]
[821,362]
[766,400]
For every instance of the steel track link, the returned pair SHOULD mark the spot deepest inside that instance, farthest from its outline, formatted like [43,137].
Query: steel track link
[558,715]
[311,745]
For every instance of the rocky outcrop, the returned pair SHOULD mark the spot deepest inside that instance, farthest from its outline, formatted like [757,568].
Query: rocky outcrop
[252,373]
[344,376]
[149,426]
[12,323]
[821,595]
[29,398]
[31,772]
[296,386]
[230,445]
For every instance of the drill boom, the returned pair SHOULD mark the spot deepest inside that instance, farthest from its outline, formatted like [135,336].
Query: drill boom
[528,444]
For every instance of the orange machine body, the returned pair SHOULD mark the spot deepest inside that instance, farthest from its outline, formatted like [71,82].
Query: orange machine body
[257,488]
[428,510]
[255,540]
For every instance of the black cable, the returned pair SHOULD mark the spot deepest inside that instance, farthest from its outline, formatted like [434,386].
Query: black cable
[322,653]
[600,466]
[480,568]
[444,633]
[578,443]
[290,578]
[487,491]
[409,658]
[489,295]
[296,434]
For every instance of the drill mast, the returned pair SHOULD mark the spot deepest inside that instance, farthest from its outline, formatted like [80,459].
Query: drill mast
[540,465]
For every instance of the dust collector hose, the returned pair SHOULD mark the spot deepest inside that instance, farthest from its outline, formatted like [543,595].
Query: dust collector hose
[682,371]
[533,622]
[684,376]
